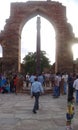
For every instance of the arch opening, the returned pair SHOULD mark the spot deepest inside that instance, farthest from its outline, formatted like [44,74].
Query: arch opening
[47,38]
[75,51]
[1,52]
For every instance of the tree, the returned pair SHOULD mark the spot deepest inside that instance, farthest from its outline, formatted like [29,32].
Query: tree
[29,62]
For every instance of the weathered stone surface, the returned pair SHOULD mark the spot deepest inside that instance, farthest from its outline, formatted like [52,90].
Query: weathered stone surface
[16,113]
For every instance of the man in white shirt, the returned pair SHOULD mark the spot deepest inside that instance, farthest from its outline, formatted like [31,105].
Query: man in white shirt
[56,90]
[65,78]
[75,85]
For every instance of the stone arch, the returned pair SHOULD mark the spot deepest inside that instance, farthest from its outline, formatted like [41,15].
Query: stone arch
[20,13]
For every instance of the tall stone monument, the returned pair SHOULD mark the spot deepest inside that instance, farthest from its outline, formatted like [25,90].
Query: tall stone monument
[38,62]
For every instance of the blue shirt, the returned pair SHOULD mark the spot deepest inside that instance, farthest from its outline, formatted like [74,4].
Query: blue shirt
[31,79]
[41,79]
[36,87]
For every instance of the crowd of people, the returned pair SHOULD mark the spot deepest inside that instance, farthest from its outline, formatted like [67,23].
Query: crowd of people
[63,83]
[60,84]
[11,83]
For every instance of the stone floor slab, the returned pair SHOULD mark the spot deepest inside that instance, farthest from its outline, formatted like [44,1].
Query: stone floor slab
[16,113]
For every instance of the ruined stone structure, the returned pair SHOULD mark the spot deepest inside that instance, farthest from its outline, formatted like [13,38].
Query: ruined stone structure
[20,13]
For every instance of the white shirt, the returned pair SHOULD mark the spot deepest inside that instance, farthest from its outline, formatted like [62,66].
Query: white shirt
[65,77]
[57,80]
[75,84]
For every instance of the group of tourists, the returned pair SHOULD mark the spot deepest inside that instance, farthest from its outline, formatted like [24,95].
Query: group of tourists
[60,84]
[4,84]
[11,84]
[65,84]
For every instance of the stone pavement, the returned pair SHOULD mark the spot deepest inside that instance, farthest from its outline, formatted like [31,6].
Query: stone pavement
[16,113]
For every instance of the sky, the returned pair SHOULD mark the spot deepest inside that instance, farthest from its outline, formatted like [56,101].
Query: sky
[28,37]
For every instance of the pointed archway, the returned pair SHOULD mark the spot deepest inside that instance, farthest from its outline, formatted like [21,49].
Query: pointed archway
[46,38]
[54,12]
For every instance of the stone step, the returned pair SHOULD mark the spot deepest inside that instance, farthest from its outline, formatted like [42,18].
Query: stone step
[46,91]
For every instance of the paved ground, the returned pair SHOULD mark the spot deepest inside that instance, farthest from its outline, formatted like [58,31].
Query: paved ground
[16,113]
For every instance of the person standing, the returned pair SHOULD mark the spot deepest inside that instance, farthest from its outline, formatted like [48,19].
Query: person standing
[65,82]
[70,113]
[41,79]
[70,85]
[27,79]
[15,80]
[31,79]
[75,86]
[36,90]
[56,89]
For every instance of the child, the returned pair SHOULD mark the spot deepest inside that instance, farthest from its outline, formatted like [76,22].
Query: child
[70,113]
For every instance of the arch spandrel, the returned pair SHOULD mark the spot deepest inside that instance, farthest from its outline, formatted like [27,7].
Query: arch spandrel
[54,12]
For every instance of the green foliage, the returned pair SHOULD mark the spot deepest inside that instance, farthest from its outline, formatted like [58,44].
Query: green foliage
[29,62]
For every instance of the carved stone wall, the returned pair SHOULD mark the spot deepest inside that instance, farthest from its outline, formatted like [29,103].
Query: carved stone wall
[20,13]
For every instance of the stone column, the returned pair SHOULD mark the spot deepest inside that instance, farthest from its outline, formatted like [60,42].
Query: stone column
[38,65]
